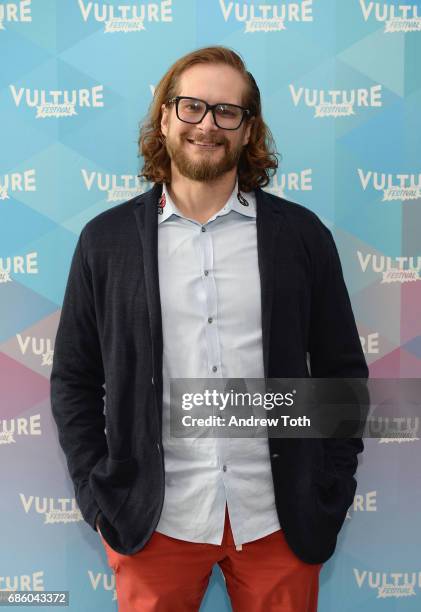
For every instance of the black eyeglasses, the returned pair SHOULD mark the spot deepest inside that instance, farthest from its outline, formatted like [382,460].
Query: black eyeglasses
[193,110]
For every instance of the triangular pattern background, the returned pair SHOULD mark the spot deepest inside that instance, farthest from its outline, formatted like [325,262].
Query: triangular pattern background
[56,173]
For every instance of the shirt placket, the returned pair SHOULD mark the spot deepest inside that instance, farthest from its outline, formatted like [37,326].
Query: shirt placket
[211,308]
[212,342]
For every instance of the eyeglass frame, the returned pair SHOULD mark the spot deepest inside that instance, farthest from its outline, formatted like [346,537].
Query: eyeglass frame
[209,107]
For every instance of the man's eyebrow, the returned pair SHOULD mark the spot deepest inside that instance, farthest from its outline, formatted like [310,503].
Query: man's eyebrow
[203,99]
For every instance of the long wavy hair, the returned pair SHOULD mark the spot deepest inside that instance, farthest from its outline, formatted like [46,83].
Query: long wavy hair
[258,161]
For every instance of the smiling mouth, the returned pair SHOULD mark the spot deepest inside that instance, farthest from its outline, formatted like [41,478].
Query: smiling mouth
[204,145]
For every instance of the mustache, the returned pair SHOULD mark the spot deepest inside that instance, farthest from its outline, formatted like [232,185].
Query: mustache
[206,139]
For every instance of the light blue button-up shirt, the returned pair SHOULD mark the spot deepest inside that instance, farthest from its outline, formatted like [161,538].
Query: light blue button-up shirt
[211,320]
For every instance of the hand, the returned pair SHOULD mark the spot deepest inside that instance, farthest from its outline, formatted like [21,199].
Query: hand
[97,526]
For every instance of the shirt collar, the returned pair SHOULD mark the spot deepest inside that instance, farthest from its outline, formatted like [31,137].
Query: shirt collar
[237,201]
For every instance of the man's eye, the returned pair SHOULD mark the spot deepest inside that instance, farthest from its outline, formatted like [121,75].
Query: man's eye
[226,111]
[194,106]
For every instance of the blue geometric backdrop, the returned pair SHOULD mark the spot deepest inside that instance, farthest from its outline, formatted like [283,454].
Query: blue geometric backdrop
[341,91]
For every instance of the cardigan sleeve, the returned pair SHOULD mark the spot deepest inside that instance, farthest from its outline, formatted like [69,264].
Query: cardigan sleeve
[334,344]
[76,383]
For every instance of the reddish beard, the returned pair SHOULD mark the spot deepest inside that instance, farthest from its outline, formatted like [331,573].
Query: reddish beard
[205,169]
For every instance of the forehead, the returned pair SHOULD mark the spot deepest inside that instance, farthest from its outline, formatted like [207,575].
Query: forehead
[213,83]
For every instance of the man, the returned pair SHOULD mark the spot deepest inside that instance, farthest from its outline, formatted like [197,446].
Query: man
[204,276]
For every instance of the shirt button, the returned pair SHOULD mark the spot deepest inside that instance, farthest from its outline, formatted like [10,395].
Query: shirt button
[214,368]
[224,467]
[206,272]
[203,229]
[210,319]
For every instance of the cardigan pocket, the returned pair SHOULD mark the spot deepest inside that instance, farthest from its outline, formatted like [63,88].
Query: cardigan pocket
[333,493]
[110,481]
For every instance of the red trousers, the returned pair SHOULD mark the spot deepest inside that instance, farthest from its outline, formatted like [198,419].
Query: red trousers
[171,575]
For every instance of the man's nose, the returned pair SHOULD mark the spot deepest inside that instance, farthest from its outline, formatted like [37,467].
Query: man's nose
[208,122]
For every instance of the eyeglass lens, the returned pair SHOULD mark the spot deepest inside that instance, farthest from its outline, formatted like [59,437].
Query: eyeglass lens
[193,111]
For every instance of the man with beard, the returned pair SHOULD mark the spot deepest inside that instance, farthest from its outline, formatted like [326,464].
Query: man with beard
[204,276]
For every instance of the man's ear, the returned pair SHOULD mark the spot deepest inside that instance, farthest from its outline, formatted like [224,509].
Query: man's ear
[247,131]
[164,119]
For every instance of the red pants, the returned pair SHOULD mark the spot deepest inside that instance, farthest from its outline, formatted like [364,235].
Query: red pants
[171,575]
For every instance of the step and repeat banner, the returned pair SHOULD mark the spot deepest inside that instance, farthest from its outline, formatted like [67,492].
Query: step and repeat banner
[341,91]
